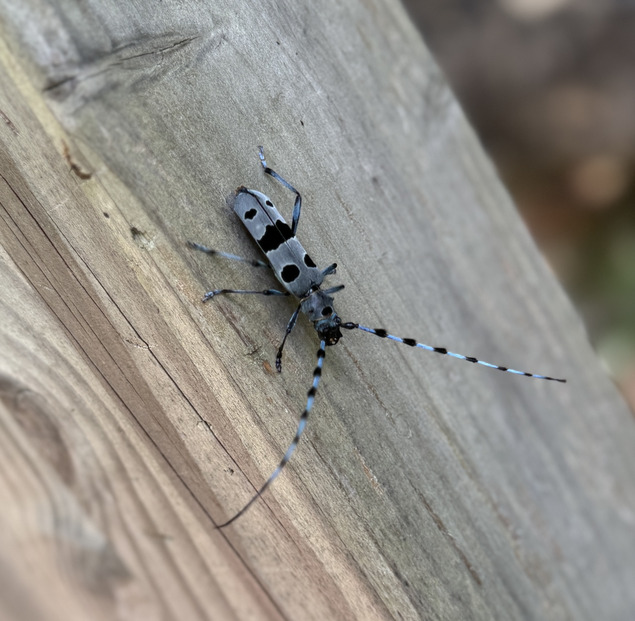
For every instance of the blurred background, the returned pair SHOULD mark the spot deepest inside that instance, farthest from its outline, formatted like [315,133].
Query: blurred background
[549,85]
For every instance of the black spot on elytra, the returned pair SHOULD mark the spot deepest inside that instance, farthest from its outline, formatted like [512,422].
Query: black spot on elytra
[268,203]
[290,272]
[251,214]
[285,229]
[326,311]
[308,261]
[274,236]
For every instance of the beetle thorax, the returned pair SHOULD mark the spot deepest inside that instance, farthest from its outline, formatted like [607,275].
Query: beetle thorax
[318,306]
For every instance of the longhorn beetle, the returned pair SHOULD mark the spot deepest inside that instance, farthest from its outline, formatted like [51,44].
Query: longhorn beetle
[301,278]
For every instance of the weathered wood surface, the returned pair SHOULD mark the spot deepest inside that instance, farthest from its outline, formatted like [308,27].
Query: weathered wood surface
[134,418]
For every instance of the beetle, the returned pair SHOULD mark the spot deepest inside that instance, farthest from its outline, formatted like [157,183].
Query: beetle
[301,278]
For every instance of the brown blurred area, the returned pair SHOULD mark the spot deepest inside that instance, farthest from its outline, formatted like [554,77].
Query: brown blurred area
[549,86]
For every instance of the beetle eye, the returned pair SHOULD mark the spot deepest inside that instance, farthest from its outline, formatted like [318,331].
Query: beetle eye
[326,311]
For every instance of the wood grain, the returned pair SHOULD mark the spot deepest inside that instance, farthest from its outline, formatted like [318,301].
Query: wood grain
[135,418]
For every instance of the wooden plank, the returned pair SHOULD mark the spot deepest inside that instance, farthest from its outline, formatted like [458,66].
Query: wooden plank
[135,418]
